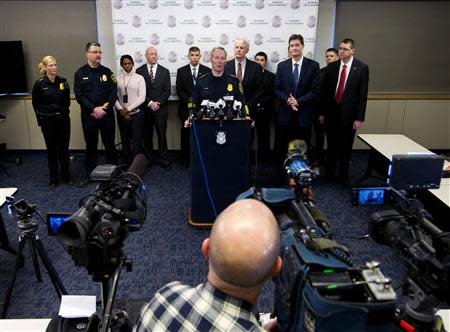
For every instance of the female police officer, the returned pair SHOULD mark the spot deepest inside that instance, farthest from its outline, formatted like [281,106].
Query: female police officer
[51,101]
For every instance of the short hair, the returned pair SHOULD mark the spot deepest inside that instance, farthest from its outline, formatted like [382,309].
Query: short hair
[124,57]
[349,41]
[218,48]
[297,37]
[44,62]
[244,41]
[261,53]
[332,49]
[89,44]
[193,49]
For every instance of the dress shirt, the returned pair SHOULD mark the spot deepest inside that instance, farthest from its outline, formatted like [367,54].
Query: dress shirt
[300,62]
[135,86]
[155,66]
[348,66]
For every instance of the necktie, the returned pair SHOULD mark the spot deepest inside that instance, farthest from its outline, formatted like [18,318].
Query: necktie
[340,89]
[239,72]
[295,76]
[194,75]
[152,77]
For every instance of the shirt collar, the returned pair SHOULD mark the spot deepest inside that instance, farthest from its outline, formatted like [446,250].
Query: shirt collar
[348,64]
[300,62]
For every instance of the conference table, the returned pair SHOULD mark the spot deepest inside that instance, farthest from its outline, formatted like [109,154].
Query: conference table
[383,147]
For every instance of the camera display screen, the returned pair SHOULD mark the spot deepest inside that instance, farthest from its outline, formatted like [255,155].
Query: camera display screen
[368,196]
[54,221]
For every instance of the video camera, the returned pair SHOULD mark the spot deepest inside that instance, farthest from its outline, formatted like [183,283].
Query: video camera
[410,229]
[318,288]
[94,234]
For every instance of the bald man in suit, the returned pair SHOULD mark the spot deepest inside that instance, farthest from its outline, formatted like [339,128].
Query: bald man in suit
[343,101]
[157,81]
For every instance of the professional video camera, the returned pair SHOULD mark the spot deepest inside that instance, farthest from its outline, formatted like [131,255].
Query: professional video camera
[94,235]
[225,108]
[318,288]
[410,229]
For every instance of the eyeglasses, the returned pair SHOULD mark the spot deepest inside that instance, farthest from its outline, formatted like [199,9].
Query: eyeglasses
[344,49]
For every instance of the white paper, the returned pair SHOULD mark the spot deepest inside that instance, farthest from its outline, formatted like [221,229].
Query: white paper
[76,306]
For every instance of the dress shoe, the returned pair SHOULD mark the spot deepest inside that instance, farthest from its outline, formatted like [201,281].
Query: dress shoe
[52,183]
[167,167]
[66,179]
[83,183]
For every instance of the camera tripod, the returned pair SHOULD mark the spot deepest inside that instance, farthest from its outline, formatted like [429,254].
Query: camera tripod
[29,234]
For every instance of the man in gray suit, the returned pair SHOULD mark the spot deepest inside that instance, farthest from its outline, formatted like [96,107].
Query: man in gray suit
[157,80]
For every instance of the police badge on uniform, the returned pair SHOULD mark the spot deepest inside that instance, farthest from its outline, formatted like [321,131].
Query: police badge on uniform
[221,137]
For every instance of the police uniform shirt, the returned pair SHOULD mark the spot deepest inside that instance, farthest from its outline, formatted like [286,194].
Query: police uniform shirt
[51,98]
[213,88]
[95,87]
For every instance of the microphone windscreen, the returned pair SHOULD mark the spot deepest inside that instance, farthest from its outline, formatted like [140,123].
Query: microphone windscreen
[139,165]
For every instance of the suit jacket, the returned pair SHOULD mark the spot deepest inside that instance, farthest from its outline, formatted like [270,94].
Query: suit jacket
[159,90]
[185,87]
[267,101]
[251,84]
[354,100]
[307,92]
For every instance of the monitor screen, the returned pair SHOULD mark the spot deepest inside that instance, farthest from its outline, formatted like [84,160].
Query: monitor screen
[13,79]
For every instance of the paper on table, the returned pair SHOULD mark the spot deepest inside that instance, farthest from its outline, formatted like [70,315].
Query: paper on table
[75,306]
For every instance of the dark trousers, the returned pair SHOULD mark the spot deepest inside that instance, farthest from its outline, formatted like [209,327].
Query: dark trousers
[262,125]
[91,127]
[56,131]
[339,146]
[285,134]
[185,134]
[157,119]
[319,139]
[131,134]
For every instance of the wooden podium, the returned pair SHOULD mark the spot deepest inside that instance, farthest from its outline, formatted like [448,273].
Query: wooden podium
[220,167]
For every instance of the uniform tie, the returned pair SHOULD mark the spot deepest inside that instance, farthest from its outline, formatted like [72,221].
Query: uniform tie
[194,75]
[152,77]
[239,72]
[340,89]
[295,76]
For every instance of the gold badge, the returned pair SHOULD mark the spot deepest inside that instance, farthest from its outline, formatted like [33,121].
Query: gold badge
[61,86]
[229,87]
[104,78]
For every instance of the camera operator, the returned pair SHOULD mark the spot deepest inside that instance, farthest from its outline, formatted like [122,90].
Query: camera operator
[242,253]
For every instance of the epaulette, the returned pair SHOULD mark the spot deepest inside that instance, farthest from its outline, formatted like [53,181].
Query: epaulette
[200,77]
[233,76]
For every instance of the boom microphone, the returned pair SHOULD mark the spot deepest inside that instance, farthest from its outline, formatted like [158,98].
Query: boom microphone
[139,165]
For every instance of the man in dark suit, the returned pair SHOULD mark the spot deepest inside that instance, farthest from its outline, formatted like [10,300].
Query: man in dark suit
[343,101]
[297,87]
[186,80]
[331,55]
[157,81]
[265,108]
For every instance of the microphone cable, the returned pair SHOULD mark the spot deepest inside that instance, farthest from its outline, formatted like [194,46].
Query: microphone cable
[204,170]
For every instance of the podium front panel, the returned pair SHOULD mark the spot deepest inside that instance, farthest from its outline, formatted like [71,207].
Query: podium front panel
[225,148]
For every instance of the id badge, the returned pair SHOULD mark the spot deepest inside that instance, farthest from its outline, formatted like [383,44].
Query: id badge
[125,99]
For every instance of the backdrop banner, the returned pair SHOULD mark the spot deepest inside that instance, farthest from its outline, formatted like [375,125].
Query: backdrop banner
[172,26]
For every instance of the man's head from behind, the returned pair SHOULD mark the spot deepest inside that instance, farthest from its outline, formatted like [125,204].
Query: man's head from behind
[243,249]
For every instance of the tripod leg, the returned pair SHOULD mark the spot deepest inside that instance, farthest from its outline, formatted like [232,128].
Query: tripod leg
[56,281]
[14,275]
[35,261]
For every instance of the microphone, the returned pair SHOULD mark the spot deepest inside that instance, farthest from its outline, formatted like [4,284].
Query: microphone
[221,104]
[205,104]
[191,107]
[237,106]
[139,165]
[212,109]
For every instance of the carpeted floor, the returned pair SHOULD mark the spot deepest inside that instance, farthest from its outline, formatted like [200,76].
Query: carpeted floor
[167,248]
